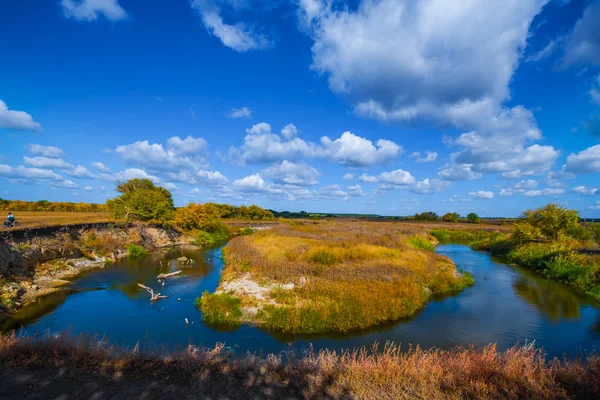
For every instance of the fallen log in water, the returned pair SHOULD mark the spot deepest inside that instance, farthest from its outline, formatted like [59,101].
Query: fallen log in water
[153,296]
[163,276]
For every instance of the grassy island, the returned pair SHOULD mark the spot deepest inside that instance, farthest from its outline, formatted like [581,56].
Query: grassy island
[329,276]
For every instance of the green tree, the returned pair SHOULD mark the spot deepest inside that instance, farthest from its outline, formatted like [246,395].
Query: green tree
[473,218]
[524,232]
[553,221]
[141,200]
[426,216]
[450,217]
[595,230]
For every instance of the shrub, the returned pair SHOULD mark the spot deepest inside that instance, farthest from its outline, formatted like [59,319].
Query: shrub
[98,243]
[323,257]
[197,216]
[473,218]
[220,308]
[426,216]
[580,233]
[133,250]
[204,238]
[450,217]
[595,230]
[420,242]
[246,231]
[524,232]
[441,234]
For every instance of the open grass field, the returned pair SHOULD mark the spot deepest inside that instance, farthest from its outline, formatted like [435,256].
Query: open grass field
[329,276]
[34,219]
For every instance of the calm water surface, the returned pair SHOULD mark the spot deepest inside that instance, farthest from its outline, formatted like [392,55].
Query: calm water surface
[506,306]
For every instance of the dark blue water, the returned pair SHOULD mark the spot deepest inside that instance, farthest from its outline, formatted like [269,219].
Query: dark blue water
[506,306]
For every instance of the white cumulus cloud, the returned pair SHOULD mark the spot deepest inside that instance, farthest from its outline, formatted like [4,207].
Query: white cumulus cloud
[544,192]
[582,45]
[585,162]
[189,153]
[253,183]
[586,190]
[44,151]
[459,172]
[101,167]
[243,112]
[355,151]
[238,37]
[401,59]
[430,156]
[17,120]
[482,194]
[90,10]
[290,173]
[46,162]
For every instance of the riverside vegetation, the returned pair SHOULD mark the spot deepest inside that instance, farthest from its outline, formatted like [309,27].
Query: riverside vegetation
[550,240]
[329,276]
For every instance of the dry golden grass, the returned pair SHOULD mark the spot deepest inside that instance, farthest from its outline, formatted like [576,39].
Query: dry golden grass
[388,373]
[330,276]
[34,219]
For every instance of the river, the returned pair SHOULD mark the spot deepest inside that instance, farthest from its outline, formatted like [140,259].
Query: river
[507,305]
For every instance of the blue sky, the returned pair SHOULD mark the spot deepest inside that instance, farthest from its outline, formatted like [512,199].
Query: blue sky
[390,107]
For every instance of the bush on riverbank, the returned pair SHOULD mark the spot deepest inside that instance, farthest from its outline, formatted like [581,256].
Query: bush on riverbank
[133,250]
[334,276]
[517,373]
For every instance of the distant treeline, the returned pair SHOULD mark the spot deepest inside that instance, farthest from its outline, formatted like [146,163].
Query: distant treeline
[252,212]
[304,214]
[45,205]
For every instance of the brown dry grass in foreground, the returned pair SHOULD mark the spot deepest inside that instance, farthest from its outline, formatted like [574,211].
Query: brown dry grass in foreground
[329,276]
[68,365]
[34,219]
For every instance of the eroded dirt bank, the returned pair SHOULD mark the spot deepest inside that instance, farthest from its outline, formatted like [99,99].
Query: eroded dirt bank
[36,262]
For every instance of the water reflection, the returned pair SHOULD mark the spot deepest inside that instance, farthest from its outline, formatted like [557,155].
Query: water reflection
[556,301]
[506,306]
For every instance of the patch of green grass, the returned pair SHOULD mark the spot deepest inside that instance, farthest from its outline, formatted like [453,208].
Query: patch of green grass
[445,235]
[323,257]
[133,250]
[246,231]
[420,242]
[220,308]
[204,238]
[466,280]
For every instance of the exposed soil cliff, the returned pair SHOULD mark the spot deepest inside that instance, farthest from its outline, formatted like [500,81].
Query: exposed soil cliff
[37,261]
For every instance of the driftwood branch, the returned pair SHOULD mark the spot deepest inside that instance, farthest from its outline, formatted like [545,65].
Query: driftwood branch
[163,276]
[153,296]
